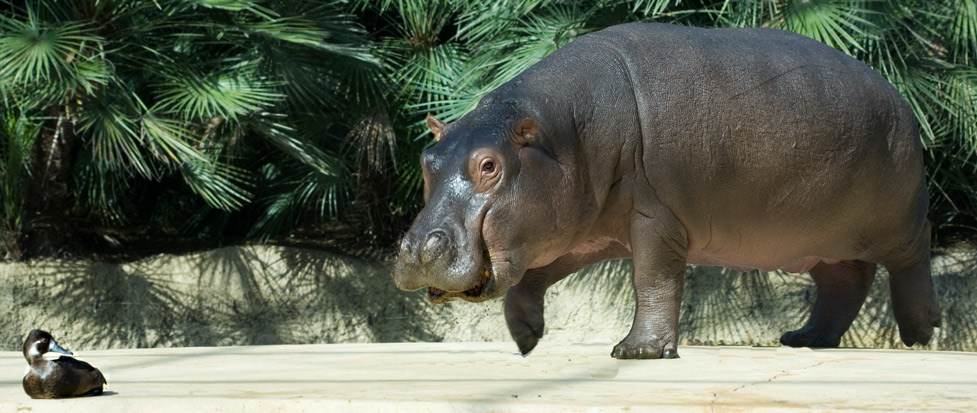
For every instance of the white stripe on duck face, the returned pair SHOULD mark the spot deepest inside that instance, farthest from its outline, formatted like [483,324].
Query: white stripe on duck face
[34,352]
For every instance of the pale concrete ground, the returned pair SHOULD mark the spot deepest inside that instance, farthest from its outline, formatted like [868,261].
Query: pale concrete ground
[492,377]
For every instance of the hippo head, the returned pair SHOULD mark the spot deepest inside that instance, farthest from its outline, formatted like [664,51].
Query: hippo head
[496,204]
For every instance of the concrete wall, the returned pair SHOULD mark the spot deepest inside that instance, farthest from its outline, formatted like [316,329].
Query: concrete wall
[274,295]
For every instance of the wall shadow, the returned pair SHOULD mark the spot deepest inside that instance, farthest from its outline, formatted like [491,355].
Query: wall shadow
[726,307]
[278,295]
[304,296]
[108,306]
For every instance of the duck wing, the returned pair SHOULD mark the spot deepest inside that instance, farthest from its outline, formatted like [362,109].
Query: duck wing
[89,378]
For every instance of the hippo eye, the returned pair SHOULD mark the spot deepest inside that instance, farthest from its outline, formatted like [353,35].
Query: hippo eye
[488,166]
[484,171]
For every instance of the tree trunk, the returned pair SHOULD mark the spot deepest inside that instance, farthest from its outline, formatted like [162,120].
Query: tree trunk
[49,196]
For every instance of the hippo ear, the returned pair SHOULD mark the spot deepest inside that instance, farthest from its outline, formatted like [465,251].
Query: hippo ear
[436,126]
[525,132]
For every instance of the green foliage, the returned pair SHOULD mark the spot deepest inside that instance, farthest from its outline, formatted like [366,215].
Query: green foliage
[17,135]
[207,91]
[246,119]
[926,49]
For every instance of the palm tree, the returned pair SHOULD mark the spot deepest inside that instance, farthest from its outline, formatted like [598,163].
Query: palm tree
[110,102]
[927,49]
[234,120]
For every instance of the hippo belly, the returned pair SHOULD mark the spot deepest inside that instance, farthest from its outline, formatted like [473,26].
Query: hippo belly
[794,265]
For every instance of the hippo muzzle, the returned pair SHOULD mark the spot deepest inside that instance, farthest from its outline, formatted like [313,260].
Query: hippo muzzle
[449,269]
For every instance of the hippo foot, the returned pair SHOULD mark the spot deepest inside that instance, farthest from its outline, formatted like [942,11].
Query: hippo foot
[914,301]
[917,328]
[809,337]
[525,334]
[626,350]
[524,317]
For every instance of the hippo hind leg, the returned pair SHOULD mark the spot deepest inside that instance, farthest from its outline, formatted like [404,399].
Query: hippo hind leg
[841,289]
[914,301]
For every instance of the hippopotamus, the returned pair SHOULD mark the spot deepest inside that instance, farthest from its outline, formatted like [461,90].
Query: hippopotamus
[745,148]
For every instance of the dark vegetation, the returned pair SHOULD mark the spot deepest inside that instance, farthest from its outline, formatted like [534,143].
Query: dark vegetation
[134,127]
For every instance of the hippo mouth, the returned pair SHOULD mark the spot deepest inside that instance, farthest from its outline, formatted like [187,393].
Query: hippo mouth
[475,293]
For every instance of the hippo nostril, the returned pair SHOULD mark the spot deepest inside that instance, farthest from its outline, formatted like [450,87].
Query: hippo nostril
[409,251]
[436,237]
[437,243]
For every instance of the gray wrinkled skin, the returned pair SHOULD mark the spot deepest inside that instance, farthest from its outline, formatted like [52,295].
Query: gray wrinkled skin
[745,148]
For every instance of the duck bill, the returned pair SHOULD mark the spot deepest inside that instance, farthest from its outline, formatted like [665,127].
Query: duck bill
[58,349]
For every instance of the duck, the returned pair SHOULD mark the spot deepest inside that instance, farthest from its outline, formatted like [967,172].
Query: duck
[59,378]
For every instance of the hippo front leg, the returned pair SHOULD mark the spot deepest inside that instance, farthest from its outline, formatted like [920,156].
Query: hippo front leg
[524,310]
[524,301]
[659,269]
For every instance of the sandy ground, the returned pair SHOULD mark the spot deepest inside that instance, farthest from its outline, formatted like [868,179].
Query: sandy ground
[491,377]
[249,329]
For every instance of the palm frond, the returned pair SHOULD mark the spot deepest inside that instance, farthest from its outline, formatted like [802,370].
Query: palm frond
[447,102]
[305,82]
[961,89]
[91,73]
[329,32]
[373,138]
[221,185]
[535,38]
[487,20]
[115,133]
[651,8]
[734,13]
[34,53]
[840,24]
[923,91]
[231,94]
[423,21]
[427,69]
[451,95]
[100,191]
[232,5]
[284,138]
[292,200]
[17,135]
[168,139]
[963,32]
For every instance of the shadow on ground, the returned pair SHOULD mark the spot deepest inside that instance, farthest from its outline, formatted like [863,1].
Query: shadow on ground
[230,296]
[277,295]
